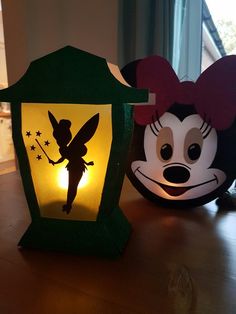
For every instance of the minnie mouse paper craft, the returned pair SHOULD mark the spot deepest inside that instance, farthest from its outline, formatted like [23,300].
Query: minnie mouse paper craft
[184,146]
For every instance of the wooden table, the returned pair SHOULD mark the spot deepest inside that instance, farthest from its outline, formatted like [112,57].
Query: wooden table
[176,261]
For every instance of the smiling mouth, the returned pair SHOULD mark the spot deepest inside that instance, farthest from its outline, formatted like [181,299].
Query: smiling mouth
[176,190]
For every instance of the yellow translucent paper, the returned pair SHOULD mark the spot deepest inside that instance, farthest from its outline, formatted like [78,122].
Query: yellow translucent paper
[51,181]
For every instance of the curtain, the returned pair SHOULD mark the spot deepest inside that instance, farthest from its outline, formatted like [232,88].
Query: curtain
[187,61]
[146,27]
[180,14]
[168,28]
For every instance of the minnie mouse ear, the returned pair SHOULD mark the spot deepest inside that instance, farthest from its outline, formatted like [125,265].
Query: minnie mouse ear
[129,72]
[216,93]
[156,74]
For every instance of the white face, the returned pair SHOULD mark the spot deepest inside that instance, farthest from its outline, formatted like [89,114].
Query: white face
[178,158]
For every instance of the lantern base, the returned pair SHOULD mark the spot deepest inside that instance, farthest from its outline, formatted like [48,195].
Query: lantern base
[107,237]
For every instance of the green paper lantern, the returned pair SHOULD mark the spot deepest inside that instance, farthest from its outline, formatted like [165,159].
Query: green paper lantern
[71,130]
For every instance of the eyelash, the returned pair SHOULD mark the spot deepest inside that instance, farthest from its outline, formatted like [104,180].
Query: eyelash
[153,125]
[205,129]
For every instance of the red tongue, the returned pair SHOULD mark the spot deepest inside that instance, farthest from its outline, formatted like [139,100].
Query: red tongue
[174,191]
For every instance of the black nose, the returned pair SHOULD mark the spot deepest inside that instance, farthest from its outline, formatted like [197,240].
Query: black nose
[176,174]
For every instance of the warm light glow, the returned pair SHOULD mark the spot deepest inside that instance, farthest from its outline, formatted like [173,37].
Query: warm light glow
[62,179]
[51,180]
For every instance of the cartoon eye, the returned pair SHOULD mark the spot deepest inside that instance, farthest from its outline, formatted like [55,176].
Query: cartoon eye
[194,151]
[166,151]
[165,144]
[193,145]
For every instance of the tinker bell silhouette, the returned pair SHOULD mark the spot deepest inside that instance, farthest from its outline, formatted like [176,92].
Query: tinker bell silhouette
[73,151]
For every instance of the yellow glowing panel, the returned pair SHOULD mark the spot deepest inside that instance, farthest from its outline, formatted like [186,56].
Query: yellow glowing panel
[48,139]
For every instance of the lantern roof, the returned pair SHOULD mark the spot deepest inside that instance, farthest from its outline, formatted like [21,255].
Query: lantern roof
[70,75]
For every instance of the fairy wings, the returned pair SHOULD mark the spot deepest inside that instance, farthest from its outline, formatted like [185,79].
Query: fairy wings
[83,135]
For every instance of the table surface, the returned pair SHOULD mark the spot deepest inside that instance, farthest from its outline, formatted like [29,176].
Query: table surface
[176,261]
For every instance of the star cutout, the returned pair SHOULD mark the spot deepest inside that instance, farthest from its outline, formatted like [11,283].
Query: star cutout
[28,133]
[46,143]
[38,133]
[39,157]
[32,147]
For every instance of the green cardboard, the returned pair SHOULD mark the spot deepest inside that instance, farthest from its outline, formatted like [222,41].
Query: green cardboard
[73,76]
